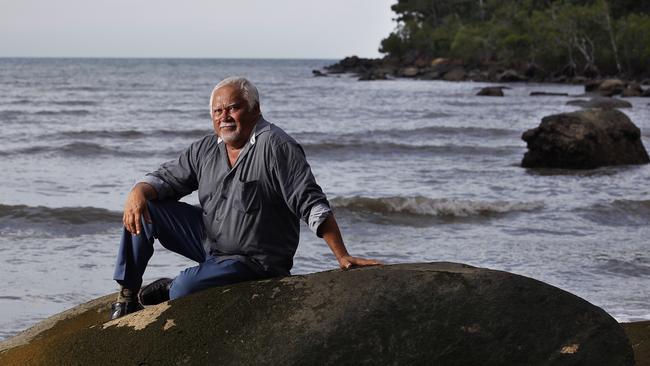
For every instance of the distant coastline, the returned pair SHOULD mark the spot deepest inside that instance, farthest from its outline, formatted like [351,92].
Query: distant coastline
[511,41]
[449,69]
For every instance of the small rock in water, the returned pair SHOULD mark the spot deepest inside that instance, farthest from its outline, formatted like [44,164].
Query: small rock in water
[584,140]
[492,91]
[600,102]
[608,87]
[536,93]
[632,90]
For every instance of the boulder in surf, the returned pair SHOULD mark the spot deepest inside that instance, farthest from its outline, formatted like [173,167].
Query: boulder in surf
[585,139]
[407,314]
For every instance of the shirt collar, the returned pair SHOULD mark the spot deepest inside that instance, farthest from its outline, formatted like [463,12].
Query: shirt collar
[260,126]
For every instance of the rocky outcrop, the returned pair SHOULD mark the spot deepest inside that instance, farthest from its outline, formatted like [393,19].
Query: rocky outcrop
[611,87]
[550,94]
[414,64]
[491,91]
[510,76]
[584,140]
[607,87]
[600,102]
[411,314]
[410,71]
[632,90]
[353,64]
[456,74]
[373,74]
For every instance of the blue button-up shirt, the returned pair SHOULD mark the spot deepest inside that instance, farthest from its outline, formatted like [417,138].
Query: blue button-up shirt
[251,210]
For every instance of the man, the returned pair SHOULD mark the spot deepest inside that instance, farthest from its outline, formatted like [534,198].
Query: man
[254,185]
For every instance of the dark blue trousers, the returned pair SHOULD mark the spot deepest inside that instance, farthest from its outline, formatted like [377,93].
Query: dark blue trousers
[178,227]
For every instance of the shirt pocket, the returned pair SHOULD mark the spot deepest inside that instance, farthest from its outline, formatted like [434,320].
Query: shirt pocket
[247,196]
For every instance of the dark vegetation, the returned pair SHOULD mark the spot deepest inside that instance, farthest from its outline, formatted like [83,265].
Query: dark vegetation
[538,39]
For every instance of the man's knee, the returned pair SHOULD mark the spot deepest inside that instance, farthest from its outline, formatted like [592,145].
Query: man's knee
[209,274]
[183,285]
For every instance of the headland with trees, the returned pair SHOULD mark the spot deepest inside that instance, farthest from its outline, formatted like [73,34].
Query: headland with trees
[513,40]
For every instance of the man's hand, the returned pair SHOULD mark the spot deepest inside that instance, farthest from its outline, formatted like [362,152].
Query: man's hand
[348,261]
[136,207]
[329,229]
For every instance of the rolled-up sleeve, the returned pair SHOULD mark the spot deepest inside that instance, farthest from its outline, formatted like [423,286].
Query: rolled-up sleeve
[319,212]
[163,189]
[297,184]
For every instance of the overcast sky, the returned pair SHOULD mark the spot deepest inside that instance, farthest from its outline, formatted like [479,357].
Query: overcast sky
[194,28]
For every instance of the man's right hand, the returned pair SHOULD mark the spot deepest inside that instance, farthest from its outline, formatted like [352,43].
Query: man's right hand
[136,207]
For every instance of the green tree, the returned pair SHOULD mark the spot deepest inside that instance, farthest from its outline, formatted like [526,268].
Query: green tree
[634,39]
[569,35]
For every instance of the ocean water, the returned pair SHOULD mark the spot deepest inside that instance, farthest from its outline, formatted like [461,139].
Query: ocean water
[416,171]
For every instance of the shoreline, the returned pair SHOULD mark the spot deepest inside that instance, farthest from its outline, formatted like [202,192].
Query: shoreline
[448,69]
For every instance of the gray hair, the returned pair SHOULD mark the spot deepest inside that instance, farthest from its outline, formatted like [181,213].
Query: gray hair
[247,89]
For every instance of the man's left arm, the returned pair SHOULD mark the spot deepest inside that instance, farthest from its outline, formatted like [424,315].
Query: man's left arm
[329,231]
[305,198]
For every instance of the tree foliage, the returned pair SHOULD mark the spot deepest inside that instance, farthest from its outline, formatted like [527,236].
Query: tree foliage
[578,36]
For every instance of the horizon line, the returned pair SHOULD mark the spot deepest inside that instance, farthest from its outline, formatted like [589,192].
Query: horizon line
[178,57]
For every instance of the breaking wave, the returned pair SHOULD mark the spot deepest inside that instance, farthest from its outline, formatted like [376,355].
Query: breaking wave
[82,149]
[64,221]
[62,215]
[64,112]
[77,148]
[76,103]
[419,207]
[133,134]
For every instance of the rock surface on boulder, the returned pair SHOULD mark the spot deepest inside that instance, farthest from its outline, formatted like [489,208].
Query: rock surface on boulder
[412,314]
[639,335]
[584,140]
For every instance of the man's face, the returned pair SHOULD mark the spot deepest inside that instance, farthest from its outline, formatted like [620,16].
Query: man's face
[232,118]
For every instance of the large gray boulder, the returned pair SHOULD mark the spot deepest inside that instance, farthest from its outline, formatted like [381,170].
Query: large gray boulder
[584,140]
[410,314]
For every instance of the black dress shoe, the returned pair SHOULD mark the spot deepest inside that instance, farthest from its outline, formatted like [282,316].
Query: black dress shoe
[156,292]
[119,309]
